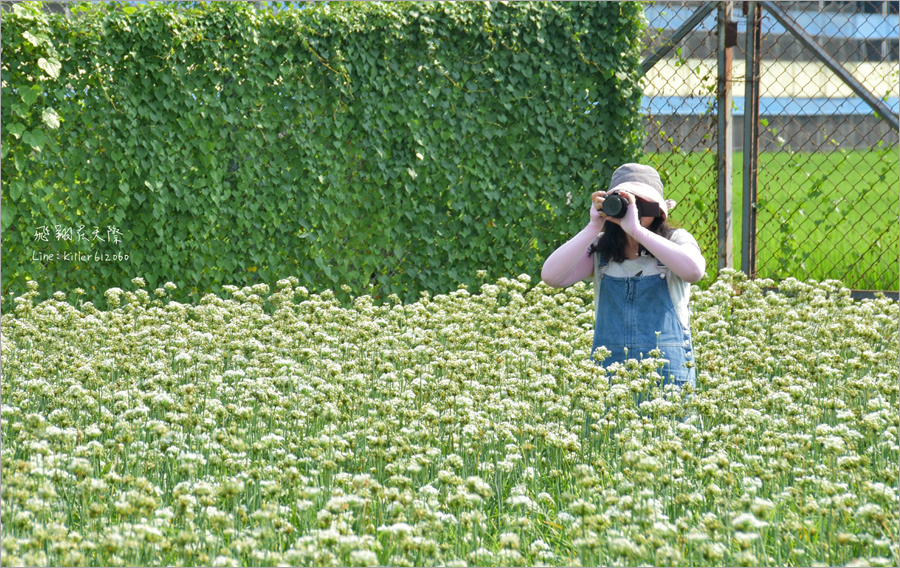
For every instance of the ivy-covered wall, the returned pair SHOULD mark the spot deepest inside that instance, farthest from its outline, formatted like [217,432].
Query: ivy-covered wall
[382,148]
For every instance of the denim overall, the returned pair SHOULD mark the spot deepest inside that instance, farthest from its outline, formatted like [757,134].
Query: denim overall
[629,313]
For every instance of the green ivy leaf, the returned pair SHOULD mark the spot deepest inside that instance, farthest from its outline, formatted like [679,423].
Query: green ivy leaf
[31,94]
[8,214]
[16,189]
[36,39]
[16,129]
[50,66]
[50,118]
[35,138]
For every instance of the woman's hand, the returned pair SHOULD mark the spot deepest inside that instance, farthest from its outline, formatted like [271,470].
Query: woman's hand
[597,216]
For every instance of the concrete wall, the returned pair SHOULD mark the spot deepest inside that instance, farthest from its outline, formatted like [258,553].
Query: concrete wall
[798,133]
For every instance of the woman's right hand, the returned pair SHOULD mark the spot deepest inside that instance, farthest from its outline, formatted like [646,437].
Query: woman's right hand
[597,216]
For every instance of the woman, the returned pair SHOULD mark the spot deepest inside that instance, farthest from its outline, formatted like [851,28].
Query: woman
[642,270]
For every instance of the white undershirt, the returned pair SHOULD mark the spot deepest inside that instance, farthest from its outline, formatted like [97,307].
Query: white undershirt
[640,266]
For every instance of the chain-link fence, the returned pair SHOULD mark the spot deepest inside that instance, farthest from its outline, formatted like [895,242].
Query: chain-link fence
[826,167]
[827,164]
[681,118]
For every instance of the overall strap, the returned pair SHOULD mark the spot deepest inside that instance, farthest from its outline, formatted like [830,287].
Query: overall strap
[601,263]
[663,268]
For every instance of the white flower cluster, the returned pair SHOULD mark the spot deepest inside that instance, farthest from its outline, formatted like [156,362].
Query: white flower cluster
[277,427]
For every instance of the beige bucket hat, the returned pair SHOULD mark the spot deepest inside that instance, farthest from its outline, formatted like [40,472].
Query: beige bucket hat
[641,181]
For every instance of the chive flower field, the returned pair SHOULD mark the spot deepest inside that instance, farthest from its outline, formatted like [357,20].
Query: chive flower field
[278,427]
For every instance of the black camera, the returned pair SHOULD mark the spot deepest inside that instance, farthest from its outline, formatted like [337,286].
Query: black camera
[614,205]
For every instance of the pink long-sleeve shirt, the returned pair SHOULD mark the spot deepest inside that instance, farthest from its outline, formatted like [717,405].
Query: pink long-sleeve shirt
[572,262]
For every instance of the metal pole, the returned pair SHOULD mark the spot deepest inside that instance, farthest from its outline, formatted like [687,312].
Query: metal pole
[751,140]
[727,36]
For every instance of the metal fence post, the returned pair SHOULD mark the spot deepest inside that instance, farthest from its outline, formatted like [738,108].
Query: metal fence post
[753,12]
[727,38]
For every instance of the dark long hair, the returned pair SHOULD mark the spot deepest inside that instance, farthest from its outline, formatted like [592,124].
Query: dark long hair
[613,240]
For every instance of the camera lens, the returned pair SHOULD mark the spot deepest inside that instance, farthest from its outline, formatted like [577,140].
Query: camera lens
[615,206]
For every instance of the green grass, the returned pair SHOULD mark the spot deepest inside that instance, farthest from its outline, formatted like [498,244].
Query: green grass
[825,215]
